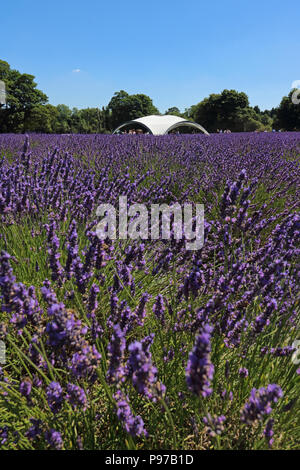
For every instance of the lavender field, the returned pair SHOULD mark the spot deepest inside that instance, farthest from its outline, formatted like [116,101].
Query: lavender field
[130,344]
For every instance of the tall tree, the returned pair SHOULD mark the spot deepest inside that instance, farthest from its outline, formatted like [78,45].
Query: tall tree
[221,111]
[174,111]
[21,97]
[63,125]
[124,107]
[288,114]
[42,118]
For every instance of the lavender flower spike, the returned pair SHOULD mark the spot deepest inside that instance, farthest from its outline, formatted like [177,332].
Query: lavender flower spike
[200,370]
[259,403]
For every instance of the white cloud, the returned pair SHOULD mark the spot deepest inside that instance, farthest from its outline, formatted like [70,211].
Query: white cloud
[76,70]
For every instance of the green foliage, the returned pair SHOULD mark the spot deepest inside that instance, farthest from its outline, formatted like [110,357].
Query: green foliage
[124,107]
[64,119]
[288,114]
[42,118]
[21,97]
[229,110]
[174,111]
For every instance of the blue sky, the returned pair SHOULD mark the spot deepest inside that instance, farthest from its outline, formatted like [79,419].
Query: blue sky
[177,52]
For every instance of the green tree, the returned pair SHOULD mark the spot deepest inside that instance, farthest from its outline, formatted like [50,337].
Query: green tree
[189,112]
[92,120]
[63,124]
[21,97]
[42,118]
[230,110]
[174,111]
[246,120]
[220,111]
[288,114]
[124,107]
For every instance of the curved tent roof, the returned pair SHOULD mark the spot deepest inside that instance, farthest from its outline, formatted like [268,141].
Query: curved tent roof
[159,125]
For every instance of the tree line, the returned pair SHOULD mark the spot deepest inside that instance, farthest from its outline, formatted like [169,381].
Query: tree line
[26,109]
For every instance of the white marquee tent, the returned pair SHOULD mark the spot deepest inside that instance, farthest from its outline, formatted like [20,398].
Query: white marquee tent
[159,125]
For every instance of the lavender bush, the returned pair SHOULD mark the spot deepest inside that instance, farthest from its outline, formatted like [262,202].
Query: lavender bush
[132,344]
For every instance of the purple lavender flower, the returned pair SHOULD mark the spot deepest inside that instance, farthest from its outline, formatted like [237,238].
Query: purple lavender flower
[48,295]
[64,329]
[168,355]
[92,303]
[84,363]
[25,388]
[116,349]
[200,370]
[54,255]
[214,424]
[134,425]
[282,352]
[263,319]
[54,439]
[243,372]
[226,395]
[259,403]
[159,308]
[54,395]
[269,433]
[18,300]
[3,435]
[76,396]
[35,429]
[141,311]
[141,369]
[72,247]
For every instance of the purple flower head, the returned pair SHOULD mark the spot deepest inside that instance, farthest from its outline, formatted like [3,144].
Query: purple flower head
[3,435]
[141,309]
[134,425]
[54,439]
[159,309]
[48,295]
[259,403]
[263,319]
[92,303]
[116,350]
[76,396]
[7,279]
[18,300]
[54,256]
[35,429]
[72,248]
[269,433]
[64,329]
[200,370]
[25,388]
[243,372]
[141,369]
[214,424]
[54,395]
[85,362]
